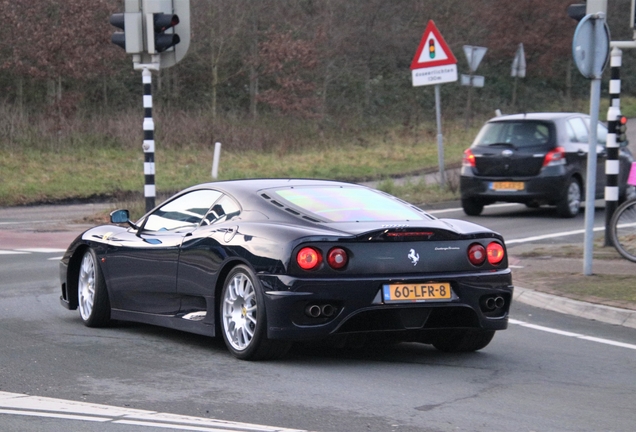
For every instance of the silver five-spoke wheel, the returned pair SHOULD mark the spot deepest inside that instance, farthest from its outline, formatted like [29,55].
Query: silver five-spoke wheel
[244,320]
[240,312]
[86,286]
[92,295]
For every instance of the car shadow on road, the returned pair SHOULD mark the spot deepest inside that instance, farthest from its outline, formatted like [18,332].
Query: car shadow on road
[148,338]
[404,352]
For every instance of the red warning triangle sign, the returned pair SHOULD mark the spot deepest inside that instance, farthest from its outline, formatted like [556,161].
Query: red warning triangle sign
[433,50]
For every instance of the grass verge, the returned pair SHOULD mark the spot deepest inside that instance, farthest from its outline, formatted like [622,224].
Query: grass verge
[559,271]
[80,170]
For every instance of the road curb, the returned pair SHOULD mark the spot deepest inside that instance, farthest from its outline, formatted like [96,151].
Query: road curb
[602,313]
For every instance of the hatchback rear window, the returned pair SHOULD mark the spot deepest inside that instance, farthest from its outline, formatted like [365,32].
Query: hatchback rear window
[520,134]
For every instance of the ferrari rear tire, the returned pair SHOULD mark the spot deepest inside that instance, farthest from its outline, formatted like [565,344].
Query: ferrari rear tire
[244,319]
[92,295]
[463,340]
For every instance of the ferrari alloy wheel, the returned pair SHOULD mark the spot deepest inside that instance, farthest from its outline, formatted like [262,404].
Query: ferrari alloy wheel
[243,320]
[240,311]
[92,297]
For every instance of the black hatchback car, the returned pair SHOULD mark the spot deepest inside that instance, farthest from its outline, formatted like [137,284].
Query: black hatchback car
[536,159]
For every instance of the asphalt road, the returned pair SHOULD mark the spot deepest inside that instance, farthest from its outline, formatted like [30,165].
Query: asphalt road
[546,372]
[519,224]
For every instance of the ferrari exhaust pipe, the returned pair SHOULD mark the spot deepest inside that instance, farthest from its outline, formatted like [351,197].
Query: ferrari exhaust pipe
[313,310]
[490,303]
[327,310]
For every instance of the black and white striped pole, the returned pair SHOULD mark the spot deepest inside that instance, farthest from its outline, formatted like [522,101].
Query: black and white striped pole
[149,142]
[613,143]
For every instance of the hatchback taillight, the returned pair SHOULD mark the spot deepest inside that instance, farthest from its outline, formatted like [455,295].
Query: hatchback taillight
[308,258]
[469,158]
[555,157]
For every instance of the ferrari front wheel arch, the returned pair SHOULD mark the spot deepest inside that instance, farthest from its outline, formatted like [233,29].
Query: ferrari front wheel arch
[243,317]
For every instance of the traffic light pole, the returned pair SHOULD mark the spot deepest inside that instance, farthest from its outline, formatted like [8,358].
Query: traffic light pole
[612,165]
[148,34]
[149,142]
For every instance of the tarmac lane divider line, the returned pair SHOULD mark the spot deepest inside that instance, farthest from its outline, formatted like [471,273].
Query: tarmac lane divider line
[573,335]
[26,251]
[553,235]
[41,250]
[45,407]
[54,415]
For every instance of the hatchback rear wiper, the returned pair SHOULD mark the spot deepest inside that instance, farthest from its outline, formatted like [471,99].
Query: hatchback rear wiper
[503,144]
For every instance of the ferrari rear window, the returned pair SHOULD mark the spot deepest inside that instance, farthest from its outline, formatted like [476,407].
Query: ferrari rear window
[349,204]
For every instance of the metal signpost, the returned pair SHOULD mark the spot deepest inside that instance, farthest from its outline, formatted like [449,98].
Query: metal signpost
[434,63]
[518,70]
[474,55]
[590,48]
[149,36]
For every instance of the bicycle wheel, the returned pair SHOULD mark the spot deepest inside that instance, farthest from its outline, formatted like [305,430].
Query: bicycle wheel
[623,229]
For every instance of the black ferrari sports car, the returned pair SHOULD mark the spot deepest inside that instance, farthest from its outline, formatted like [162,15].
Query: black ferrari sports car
[267,262]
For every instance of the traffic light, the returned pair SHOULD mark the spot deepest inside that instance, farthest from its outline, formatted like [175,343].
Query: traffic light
[621,129]
[130,38]
[167,31]
[161,41]
[576,11]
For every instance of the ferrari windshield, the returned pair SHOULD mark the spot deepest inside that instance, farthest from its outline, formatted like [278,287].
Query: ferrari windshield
[350,204]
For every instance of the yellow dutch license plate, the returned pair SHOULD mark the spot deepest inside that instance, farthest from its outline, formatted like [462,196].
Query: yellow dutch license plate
[396,293]
[507,186]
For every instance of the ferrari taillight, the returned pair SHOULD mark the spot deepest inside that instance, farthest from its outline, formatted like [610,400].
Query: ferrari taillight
[495,252]
[555,157]
[476,254]
[308,258]
[337,258]
[469,158]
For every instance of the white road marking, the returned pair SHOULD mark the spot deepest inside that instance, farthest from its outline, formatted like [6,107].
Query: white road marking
[24,222]
[31,250]
[42,250]
[553,235]
[574,335]
[35,406]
